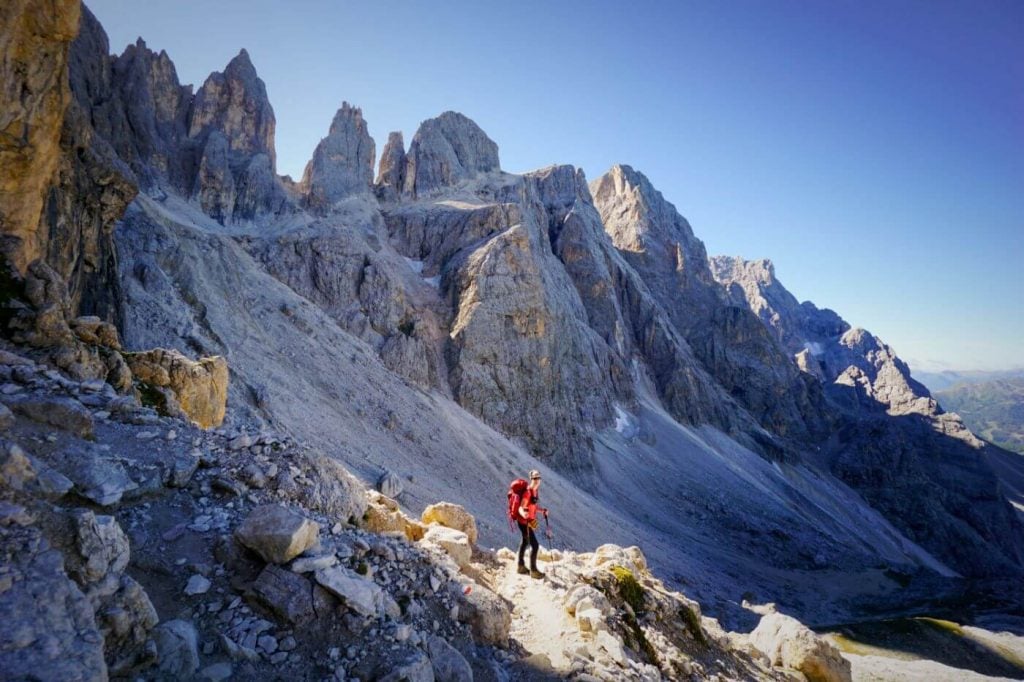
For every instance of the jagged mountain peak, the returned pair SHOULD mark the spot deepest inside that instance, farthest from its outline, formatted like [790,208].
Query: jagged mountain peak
[235,102]
[447,150]
[637,216]
[342,163]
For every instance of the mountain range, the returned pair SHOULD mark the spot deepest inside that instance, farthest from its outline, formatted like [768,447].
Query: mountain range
[425,316]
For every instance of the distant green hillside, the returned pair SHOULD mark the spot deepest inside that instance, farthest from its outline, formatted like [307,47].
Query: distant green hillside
[994,409]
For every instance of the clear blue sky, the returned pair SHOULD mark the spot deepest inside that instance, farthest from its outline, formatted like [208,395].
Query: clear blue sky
[873,150]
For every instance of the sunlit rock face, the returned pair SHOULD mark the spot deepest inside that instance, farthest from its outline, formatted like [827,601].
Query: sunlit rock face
[34,44]
[446,150]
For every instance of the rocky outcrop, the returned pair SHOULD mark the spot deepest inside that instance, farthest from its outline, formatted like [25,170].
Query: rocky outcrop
[446,151]
[50,625]
[342,163]
[790,644]
[195,389]
[84,349]
[34,44]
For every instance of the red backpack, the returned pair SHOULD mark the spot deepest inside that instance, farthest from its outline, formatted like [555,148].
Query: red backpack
[515,499]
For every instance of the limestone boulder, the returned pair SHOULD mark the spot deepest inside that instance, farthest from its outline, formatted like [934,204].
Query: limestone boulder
[102,545]
[790,644]
[199,387]
[454,542]
[329,488]
[489,616]
[56,411]
[277,533]
[449,665]
[451,516]
[359,594]
[177,646]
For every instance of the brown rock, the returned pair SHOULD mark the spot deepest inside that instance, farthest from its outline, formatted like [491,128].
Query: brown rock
[200,387]
[34,43]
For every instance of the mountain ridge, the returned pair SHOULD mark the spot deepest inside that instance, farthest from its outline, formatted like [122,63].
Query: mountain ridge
[453,307]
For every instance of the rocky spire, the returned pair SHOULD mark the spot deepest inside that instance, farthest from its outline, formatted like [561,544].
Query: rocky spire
[235,103]
[231,129]
[391,175]
[342,163]
[447,150]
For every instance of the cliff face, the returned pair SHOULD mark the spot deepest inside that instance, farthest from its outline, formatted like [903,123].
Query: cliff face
[34,45]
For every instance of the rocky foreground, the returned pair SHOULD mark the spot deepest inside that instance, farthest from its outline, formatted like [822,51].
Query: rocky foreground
[135,545]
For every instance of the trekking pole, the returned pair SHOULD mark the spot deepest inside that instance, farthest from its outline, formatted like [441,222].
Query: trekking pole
[547,530]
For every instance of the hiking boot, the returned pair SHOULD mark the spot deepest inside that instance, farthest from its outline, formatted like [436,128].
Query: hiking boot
[534,573]
[521,570]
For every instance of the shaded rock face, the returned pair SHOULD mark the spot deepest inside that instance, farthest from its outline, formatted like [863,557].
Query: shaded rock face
[730,344]
[870,373]
[61,188]
[934,486]
[947,501]
[34,44]
[216,147]
[391,174]
[342,163]
[445,151]
[134,102]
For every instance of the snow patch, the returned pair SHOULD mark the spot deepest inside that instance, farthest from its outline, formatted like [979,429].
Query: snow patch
[416,265]
[625,423]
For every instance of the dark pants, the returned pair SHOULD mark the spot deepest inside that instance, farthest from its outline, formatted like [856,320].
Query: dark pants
[529,538]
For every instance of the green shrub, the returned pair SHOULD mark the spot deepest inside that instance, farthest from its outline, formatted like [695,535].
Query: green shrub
[629,589]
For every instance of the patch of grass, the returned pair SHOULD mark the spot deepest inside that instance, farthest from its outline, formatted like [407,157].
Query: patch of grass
[693,624]
[637,641]
[363,568]
[629,589]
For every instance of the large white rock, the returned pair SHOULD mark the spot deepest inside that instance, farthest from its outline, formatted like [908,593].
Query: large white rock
[277,533]
[359,594]
[102,545]
[454,542]
[789,643]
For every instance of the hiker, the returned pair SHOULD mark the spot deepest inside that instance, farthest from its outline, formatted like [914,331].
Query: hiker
[523,499]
